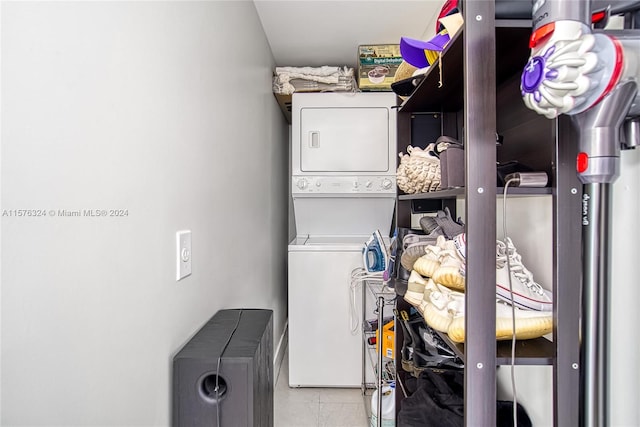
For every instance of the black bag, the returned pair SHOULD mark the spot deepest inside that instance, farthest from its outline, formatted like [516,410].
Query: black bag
[439,402]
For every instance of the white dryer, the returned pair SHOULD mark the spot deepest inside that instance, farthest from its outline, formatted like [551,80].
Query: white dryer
[343,188]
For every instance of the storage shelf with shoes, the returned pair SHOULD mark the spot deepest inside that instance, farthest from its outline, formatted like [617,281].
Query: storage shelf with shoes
[436,289]
[471,93]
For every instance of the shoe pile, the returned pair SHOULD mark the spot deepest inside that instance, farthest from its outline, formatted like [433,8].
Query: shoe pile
[422,348]
[415,245]
[437,283]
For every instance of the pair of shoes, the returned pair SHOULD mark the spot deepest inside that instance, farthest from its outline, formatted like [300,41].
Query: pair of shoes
[428,224]
[414,246]
[449,226]
[443,220]
[429,287]
[422,348]
[415,289]
[445,313]
[409,340]
[452,270]
[443,298]
[527,293]
[529,323]
[432,300]
[419,170]
[418,290]
[428,263]
[411,344]
[444,262]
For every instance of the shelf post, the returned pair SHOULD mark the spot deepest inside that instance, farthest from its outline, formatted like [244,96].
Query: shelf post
[567,268]
[380,308]
[479,54]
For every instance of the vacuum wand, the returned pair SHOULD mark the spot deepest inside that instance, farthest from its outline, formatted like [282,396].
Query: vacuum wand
[596,200]
[598,167]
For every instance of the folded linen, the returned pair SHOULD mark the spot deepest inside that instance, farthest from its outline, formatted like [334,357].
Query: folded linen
[287,79]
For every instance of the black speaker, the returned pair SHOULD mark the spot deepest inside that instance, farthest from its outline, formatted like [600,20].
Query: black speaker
[224,375]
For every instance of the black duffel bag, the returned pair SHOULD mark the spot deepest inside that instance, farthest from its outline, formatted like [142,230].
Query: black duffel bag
[439,402]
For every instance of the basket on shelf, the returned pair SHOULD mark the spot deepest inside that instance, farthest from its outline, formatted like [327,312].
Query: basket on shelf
[419,170]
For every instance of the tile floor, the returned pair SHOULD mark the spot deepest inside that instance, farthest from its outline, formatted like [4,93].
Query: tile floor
[330,407]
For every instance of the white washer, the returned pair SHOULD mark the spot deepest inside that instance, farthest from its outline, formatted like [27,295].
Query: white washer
[322,350]
[343,188]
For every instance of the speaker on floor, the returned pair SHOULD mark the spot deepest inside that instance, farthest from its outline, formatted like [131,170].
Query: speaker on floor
[224,375]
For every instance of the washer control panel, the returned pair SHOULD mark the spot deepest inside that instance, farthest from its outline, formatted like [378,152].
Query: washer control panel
[344,184]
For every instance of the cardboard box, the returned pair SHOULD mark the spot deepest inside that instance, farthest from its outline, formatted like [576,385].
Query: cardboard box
[377,66]
[388,340]
[346,83]
[284,101]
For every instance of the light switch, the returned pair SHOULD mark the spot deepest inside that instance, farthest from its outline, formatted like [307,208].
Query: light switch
[183,254]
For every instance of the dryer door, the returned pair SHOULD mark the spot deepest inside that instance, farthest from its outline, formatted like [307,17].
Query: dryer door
[354,139]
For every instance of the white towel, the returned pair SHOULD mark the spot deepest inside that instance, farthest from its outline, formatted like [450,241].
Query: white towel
[325,74]
[313,71]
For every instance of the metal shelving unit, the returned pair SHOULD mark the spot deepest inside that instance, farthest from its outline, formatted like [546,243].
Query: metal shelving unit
[467,96]
[383,297]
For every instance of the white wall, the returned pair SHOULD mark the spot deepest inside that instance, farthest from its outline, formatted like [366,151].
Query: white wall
[327,32]
[161,108]
[530,227]
[625,296]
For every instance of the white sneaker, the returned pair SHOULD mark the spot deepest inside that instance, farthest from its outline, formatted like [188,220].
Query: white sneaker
[429,287]
[527,293]
[443,304]
[529,323]
[415,289]
[428,263]
[413,247]
[452,269]
[445,313]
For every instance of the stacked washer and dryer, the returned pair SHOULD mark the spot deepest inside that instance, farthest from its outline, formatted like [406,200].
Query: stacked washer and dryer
[343,189]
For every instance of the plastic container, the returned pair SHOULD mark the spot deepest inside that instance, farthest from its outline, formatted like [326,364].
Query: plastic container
[388,406]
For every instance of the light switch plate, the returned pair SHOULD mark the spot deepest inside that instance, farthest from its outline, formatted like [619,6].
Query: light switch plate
[183,254]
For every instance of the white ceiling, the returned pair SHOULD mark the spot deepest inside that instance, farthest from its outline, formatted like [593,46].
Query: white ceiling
[317,32]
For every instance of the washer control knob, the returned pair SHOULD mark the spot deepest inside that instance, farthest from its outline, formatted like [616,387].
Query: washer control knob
[355,184]
[369,184]
[386,183]
[302,183]
[318,184]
